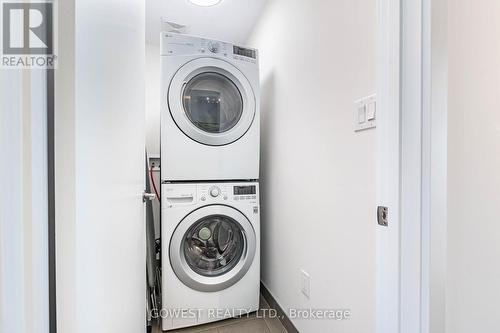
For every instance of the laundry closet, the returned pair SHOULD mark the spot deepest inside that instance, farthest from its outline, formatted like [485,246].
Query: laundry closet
[205,264]
[222,150]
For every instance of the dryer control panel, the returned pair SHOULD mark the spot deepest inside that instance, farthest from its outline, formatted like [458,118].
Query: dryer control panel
[209,193]
[173,44]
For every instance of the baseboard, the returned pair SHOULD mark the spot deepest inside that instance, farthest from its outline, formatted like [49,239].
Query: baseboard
[287,323]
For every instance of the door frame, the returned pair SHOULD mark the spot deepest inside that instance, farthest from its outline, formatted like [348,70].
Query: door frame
[411,147]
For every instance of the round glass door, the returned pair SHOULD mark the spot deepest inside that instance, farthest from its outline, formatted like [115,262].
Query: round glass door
[214,245]
[211,101]
[212,248]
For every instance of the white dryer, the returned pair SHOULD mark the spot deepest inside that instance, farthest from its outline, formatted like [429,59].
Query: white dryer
[209,110]
[210,252]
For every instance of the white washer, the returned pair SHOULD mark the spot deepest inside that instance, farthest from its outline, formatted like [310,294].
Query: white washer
[210,252]
[209,110]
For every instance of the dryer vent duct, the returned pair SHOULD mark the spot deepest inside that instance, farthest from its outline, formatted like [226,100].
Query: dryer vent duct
[167,26]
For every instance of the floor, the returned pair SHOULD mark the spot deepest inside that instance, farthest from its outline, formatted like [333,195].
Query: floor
[254,323]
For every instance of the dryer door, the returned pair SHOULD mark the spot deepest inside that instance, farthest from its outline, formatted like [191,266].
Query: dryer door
[211,101]
[212,248]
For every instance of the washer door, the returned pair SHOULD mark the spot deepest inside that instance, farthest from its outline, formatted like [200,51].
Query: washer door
[212,248]
[211,101]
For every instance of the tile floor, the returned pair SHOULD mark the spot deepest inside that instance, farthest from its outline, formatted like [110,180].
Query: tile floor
[250,324]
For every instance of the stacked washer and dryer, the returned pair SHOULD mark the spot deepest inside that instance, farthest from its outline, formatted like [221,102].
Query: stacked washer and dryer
[210,190]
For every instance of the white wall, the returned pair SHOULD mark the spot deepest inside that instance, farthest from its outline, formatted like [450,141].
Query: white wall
[317,175]
[153,98]
[473,288]
[153,117]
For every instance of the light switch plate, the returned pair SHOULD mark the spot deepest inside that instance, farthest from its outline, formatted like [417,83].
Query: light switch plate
[365,113]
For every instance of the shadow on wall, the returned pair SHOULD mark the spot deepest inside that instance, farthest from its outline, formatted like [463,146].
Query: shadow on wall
[267,123]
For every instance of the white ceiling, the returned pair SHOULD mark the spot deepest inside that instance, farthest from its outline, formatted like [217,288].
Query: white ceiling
[230,20]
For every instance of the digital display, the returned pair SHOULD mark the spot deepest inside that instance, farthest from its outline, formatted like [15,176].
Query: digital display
[244,52]
[242,190]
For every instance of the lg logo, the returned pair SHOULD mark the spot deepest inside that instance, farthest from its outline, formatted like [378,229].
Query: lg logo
[27,28]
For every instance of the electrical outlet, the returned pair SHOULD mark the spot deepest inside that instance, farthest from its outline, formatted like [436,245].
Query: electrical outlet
[155,163]
[305,283]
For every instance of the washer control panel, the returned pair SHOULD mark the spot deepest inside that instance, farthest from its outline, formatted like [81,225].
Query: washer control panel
[228,192]
[209,193]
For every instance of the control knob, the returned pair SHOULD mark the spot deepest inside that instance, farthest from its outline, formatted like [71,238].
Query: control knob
[213,47]
[214,191]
